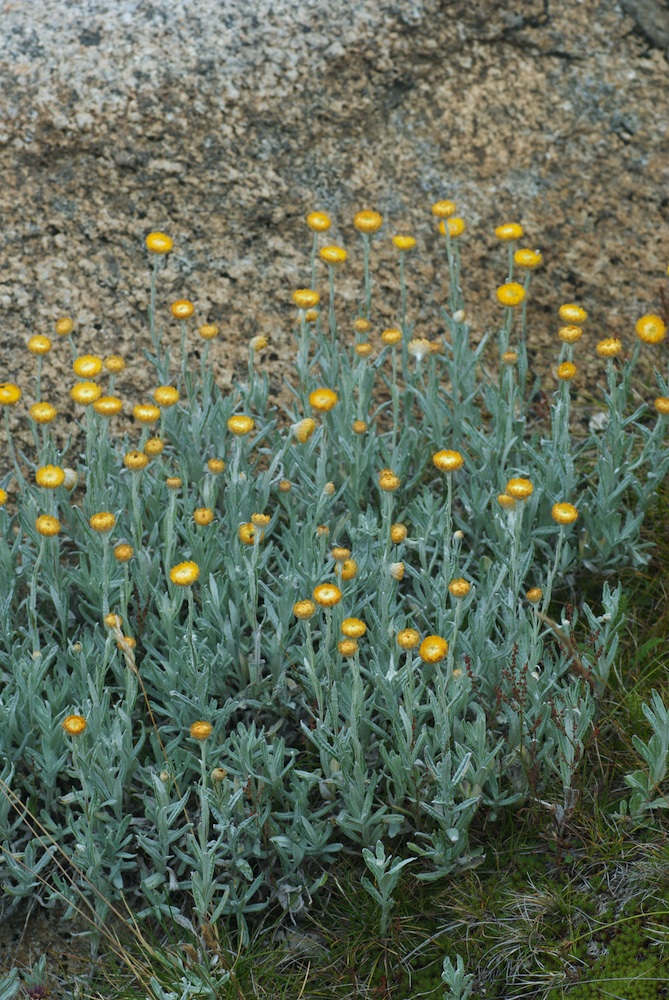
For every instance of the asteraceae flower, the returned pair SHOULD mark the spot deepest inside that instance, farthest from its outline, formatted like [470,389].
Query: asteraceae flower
[10,394]
[39,344]
[505,501]
[102,522]
[201,730]
[64,326]
[208,331]
[455,226]
[391,336]
[388,480]
[527,258]
[146,413]
[203,515]
[459,587]
[113,620]
[108,406]
[50,476]
[348,569]
[609,348]
[332,255]
[311,315]
[327,595]
[159,243]
[114,364]
[564,513]
[260,520]
[651,329]
[443,209]
[258,343]
[509,231]
[74,725]
[398,533]
[47,525]
[303,430]
[419,347]
[240,425]
[340,553]
[433,649]
[249,534]
[662,405]
[319,222]
[519,489]
[408,638]
[359,427]
[123,552]
[43,413]
[570,334]
[367,221]
[285,486]
[166,395]
[566,371]
[216,466]
[323,399]
[173,483]
[87,366]
[404,243]
[534,595]
[185,573]
[353,628]
[85,393]
[305,298]
[363,350]
[509,358]
[510,294]
[304,609]
[71,479]
[448,461]
[361,325]
[3,497]
[347,647]
[182,309]
[571,313]
[396,570]
[135,460]
[154,446]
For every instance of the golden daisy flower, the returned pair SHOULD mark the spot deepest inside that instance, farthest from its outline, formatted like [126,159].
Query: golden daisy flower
[519,489]
[443,209]
[448,461]
[367,221]
[159,243]
[348,569]
[347,647]
[182,309]
[662,405]
[311,315]
[570,334]
[361,325]
[123,552]
[239,424]
[455,226]
[47,526]
[408,638]
[173,483]
[285,486]
[87,366]
[398,533]
[146,413]
[39,344]
[319,222]
[388,480]
[10,394]
[114,364]
[323,399]
[108,406]
[651,329]
[304,609]
[216,466]
[85,393]
[363,350]
[43,413]
[534,595]
[260,520]
[166,395]
[3,497]
[125,642]
[327,595]
[203,515]
[332,255]
[510,294]
[459,587]
[391,336]
[571,313]
[154,446]
[201,730]
[340,553]
[566,371]
[113,620]
[249,534]
[50,477]
[505,501]
[303,429]
[509,231]
[258,343]
[135,460]
[208,331]
[306,298]
[71,479]
[102,522]
[509,358]
[74,725]
[185,573]
[404,243]
[353,628]
[433,649]
[64,326]
[527,258]
[359,427]
[609,348]
[564,513]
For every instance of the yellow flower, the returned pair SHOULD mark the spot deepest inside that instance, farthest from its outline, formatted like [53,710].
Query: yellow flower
[216,466]
[363,350]
[359,427]
[304,429]
[519,489]
[39,344]
[260,520]
[258,343]
[146,413]
[404,243]
[459,587]
[367,222]
[564,513]
[361,325]
[391,336]
[201,730]
[662,405]
[125,642]
[102,522]
[347,647]
[327,595]
[509,358]
[135,460]
[159,243]
[64,326]
[74,725]
[651,329]
[166,395]
[305,298]
[448,461]
[3,497]
[323,399]
[609,348]
[304,609]
[249,534]
[85,393]
[50,476]
[311,315]
[87,366]
[505,501]
[455,226]
[332,255]
[348,569]
[319,222]
[510,294]
[433,649]
[527,258]
[43,413]
[353,628]
[566,371]
[239,425]
[123,552]
[285,486]
[182,309]
[47,525]
[443,209]
[114,364]
[398,533]
[534,595]
[208,331]
[185,573]
[570,334]
[113,620]
[173,483]
[108,406]
[408,638]
[340,554]
[203,515]
[509,231]
[10,394]
[388,480]
[571,313]
[396,570]
[154,446]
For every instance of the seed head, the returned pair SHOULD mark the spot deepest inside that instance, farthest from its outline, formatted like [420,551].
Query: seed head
[327,595]
[185,573]
[571,313]
[71,479]
[651,329]
[319,222]
[74,725]
[419,347]
[159,243]
[433,649]
[304,609]
[201,730]
[564,513]
[258,343]
[182,309]
[448,461]
[239,425]
[39,344]
[367,222]
[396,571]
[408,638]
[511,294]
[47,526]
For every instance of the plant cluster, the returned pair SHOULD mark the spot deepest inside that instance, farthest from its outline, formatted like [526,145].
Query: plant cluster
[243,638]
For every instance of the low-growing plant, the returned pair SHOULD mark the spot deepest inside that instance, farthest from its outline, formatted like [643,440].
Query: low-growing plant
[249,635]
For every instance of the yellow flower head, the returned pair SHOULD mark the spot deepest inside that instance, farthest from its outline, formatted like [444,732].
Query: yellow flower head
[305,298]
[108,406]
[239,424]
[662,405]
[285,486]
[359,427]
[208,331]
[448,461]
[102,522]
[159,243]
[388,480]
[391,336]
[404,243]
[87,366]
[166,395]
[50,477]
[505,501]
[347,647]
[323,399]
[201,730]
[332,255]
[510,294]
[408,638]
[566,371]
[3,497]
[146,413]
[258,343]
[260,520]
[651,329]
[564,513]
[183,309]
[154,446]
[340,553]
[135,460]
[114,364]
[509,358]
[519,489]
[303,430]
[363,350]
[443,209]
[64,326]
[185,573]
[10,394]
[304,609]
[459,587]
[527,258]
[433,649]
[570,334]
[348,569]
[39,344]
[353,628]
[85,393]
[509,231]
[311,315]
[327,595]
[113,620]
[367,222]
[398,533]
[571,313]
[47,525]
[74,725]
[455,226]
[203,515]
[216,466]
[173,483]
[319,222]
[609,348]
[249,534]
[534,595]
[43,413]
[123,552]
